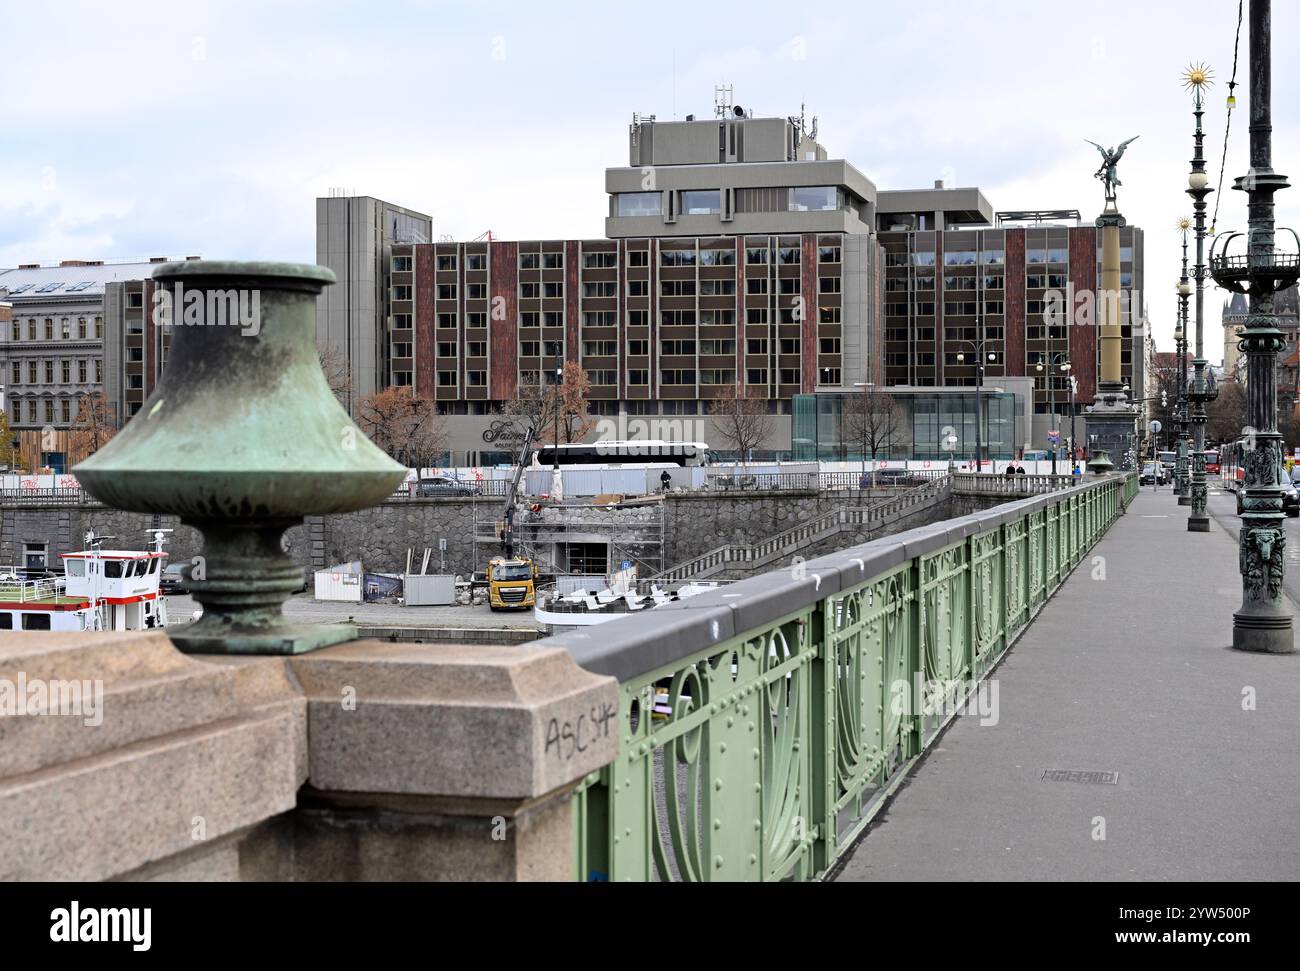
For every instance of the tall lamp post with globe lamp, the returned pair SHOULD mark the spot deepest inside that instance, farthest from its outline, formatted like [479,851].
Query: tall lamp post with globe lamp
[981,356]
[1197,78]
[1061,364]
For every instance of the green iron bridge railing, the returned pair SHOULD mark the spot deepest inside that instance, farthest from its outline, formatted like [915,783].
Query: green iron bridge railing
[763,725]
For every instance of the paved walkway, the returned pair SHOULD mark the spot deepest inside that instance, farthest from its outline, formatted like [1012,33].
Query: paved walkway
[1130,674]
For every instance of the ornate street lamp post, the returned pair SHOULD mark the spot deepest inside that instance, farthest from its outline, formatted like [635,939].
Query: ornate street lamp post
[1181,472]
[1198,78]
[1059,362]
[1263,622]
[978,348]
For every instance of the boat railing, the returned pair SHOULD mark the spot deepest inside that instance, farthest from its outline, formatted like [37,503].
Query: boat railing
[29,591]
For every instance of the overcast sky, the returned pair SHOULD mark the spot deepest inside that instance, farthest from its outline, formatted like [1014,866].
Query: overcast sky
[135,129]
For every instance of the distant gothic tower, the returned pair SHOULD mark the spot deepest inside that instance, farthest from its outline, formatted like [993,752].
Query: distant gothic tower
[1234,316]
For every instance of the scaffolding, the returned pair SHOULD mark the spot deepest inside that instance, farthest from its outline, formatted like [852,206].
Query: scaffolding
[559,537]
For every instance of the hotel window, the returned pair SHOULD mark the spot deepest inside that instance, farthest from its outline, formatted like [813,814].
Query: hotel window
[756,345]
[599,348]
[447,261]
[478,291]
[447,379]
[18,412]
[789,345]
[594,260]
[31,330]
[446,348]
[530,318]
[638,288]
[677,257]
[755,255]
[677,318]
[756,285]
[65,406]
[638,377]
[446,291]
[923,259]
[676,377]
[788,255]
[756,376]
[553,318]
[721,318]
[756,315]
[402,293]
[99,371]
[638,348]
[789,375]
[677,288]
[717,376]
[401,350]
[447,321]
[639,203]
[31,409]
[65,328]
[701,202]
[552,261]
[530,349]
[717,288]
[18,372]
[134,301]
[475,320]
[993,257]
[789,284]
[49,410]
[638,257]
[829,345]
[994,282]
[601,318]
[717,257]
[401,264]
[476,349]
[49,372]
[718,346]
[813,198]
[828,254]
[529,261]
[529,291]
[65,369]
[49,329]
[924,283]
[476,379]
[135,354]
[81,328]
[959,283]
[959,258]
[99,328]
[600,288]
[17,332]
[829,284]
[638,318]
[679,348]
[604,377]
[401,321]
[1036,256]
[476,261]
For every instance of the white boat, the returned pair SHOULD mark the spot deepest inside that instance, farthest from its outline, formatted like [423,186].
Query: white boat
[100,590]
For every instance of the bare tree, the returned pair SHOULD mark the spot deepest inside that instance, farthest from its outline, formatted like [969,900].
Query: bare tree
[874,420]
[95,424]
[408,428]
[535,405]
[338,372]
[742,418]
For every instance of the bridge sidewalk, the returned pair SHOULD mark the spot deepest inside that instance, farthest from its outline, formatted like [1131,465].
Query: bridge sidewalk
[1130,674]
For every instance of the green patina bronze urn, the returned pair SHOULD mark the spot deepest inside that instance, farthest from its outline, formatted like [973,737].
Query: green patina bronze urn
[241,439]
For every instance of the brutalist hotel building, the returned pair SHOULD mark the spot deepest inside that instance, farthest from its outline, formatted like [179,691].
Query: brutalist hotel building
[736,251]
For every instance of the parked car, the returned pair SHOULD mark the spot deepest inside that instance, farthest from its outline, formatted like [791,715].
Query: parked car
[173,578]
[1153,473]
[445,485]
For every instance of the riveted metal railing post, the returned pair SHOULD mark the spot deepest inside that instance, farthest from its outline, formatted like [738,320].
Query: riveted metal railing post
[915,664]
[823,732]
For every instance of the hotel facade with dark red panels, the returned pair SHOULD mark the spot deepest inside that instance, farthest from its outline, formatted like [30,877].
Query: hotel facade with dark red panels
[660,325]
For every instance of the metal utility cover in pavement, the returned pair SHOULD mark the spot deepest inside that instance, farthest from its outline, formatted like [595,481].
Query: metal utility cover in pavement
[1071,775]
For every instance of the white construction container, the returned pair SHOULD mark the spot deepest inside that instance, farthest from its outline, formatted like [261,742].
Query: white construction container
[340,583]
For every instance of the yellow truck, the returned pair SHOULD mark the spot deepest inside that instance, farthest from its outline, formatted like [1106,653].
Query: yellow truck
[511,583]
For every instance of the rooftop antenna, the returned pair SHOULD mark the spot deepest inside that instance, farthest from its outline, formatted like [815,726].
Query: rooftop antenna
[722,95]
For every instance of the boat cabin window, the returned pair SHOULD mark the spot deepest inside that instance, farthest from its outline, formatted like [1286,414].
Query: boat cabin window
[75,567]
[33,620]
[6,620]
[113,569]
[154,564]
